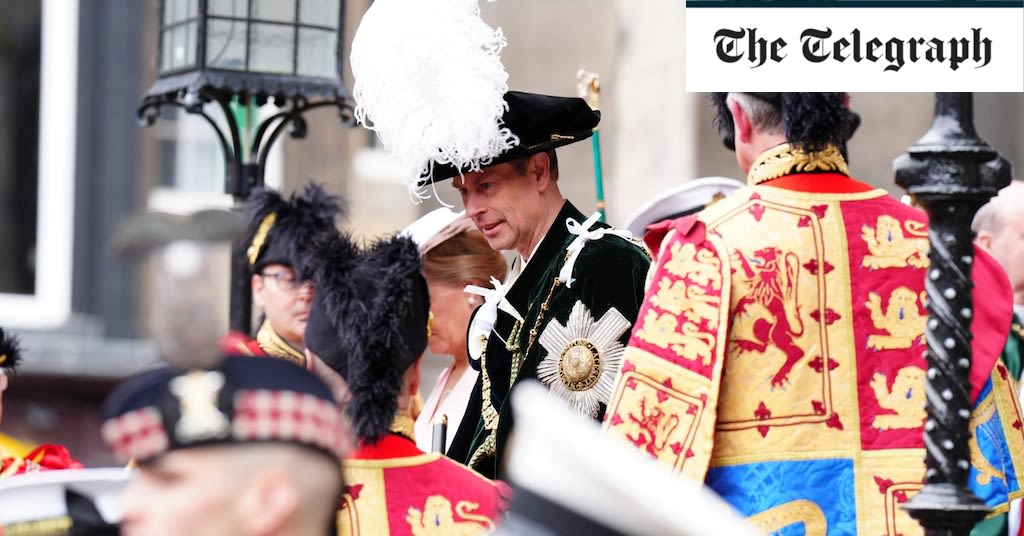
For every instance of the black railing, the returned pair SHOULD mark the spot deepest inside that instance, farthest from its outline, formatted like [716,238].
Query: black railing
[951,173]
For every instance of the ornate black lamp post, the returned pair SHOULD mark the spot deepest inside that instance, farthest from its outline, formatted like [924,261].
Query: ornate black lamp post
[950,172]
[288,52]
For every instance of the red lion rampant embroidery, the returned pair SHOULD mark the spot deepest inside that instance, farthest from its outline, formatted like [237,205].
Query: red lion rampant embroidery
[657,425]
[770,276]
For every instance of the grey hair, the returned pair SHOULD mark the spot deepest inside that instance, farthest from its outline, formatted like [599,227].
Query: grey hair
[762,114]
[992,215]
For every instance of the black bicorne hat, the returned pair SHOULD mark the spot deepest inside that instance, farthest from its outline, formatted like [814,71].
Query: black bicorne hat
[379,307]
[280,230]
[541,122]
[811,120]
[10,351]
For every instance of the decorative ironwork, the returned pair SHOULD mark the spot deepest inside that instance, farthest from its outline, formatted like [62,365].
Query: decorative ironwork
[247,65]
[243,176]
[950,172]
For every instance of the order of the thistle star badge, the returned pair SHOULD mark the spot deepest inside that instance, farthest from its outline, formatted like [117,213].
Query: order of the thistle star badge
[583,357]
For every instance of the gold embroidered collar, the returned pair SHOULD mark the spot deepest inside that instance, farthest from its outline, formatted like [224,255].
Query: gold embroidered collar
[275,346]
[404,425]
[786,159]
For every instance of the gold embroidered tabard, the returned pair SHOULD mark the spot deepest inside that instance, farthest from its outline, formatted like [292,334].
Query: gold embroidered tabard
[780,347]
[438,518]
[665,394]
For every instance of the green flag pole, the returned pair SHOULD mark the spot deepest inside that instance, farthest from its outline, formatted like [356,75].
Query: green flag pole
[588,87]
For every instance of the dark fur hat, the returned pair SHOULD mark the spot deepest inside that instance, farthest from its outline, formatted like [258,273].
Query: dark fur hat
[810,120]
[10,351]
[333,256]
[379,307]
[280,230]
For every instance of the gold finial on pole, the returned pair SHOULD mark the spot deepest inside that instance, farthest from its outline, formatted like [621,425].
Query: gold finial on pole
[588,87]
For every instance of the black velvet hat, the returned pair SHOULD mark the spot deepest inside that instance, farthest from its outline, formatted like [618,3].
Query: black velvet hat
[811,120]
[10,351]
[541,122]
[242,400]
[281,230]
[379,308]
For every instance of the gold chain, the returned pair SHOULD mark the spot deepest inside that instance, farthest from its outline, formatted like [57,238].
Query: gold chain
[490,415]
[534,332]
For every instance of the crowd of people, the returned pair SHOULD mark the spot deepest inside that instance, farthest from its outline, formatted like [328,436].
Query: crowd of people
[765,340]
[740,358]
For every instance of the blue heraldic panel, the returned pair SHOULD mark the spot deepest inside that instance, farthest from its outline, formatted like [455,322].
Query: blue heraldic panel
[801,497]
[814,487]
[993,476]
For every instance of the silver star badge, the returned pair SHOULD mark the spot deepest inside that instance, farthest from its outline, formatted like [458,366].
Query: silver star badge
[583,357]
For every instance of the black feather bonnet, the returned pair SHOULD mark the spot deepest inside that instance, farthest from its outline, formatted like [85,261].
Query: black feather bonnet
[10,351]
[369,321]
[280,230]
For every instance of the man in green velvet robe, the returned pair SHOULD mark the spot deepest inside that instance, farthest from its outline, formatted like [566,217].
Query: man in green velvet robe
[568,305]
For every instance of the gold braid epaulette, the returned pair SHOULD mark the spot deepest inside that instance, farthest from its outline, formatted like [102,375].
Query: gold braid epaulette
[275,346]
[261,237]
[786,159]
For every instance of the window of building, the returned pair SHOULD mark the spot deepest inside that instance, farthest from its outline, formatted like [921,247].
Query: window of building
[38,64]
[191,162]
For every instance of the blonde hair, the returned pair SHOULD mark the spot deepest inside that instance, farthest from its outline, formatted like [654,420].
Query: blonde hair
[464,257]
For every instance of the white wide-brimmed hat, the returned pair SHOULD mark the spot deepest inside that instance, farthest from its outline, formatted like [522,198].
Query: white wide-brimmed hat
[63,499]
[691,196]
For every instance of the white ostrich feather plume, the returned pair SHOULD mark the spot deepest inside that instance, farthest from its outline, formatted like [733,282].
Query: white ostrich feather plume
[430,82]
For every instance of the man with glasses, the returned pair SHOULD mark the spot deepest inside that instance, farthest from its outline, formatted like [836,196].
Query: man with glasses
[278,239]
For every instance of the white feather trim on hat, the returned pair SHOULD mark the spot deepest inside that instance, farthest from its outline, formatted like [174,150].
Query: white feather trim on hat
[430,82]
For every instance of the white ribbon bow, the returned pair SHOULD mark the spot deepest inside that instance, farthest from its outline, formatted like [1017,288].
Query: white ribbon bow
[584,235]
[483,320]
